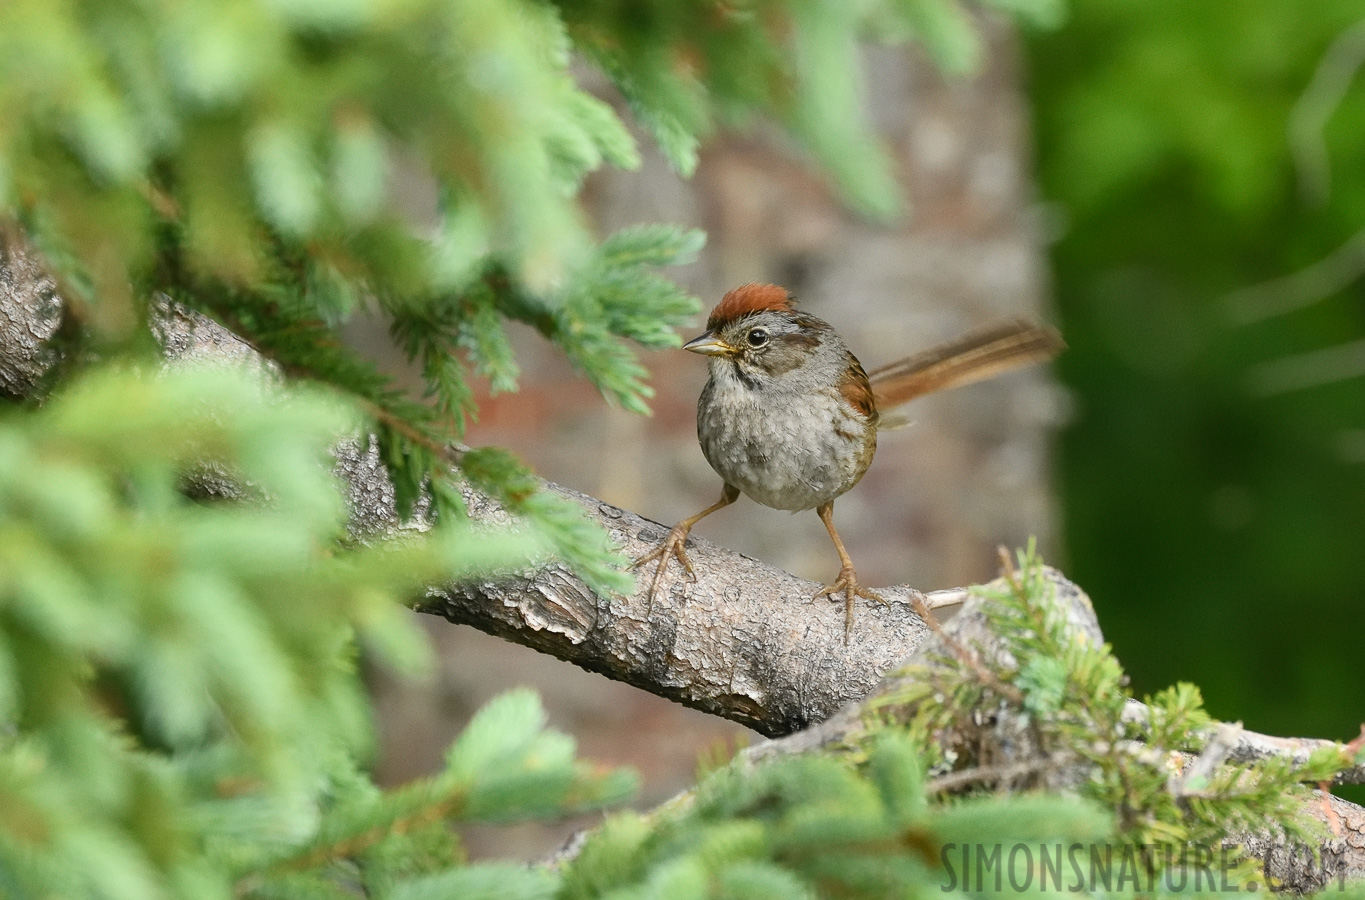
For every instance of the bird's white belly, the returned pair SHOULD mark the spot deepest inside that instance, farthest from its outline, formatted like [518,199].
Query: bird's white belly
[788,455]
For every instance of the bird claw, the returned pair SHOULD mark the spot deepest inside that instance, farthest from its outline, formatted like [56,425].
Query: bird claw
[847,584]
[672,545]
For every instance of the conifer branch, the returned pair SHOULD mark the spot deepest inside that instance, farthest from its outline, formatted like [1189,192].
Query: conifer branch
[995,775]
[351,846]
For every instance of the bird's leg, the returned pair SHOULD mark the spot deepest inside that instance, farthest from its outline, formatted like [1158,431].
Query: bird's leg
[847,582]
[673,543]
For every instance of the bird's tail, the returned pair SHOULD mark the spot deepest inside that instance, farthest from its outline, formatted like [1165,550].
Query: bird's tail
[975,356]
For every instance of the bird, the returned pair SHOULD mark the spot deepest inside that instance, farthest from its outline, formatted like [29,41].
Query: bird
[789,417]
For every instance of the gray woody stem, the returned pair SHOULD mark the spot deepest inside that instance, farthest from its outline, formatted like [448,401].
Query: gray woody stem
[744,641]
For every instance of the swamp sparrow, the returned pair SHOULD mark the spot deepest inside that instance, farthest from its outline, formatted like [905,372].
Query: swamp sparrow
[790,418]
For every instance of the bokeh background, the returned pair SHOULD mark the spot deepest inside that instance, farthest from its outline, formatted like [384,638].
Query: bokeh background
[1179,185]
[1206,162]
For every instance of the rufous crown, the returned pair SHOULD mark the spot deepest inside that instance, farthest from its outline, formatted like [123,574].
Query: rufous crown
[748,298]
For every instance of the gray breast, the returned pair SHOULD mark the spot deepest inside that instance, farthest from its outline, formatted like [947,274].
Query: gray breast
[786,451]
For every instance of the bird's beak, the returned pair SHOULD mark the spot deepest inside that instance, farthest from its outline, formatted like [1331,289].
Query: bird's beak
[709,345]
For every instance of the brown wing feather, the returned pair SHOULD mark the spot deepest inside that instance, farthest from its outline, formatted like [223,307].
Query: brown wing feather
[973,357]
[857,390]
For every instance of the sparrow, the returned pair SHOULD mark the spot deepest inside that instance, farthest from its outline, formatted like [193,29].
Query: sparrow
[790,418]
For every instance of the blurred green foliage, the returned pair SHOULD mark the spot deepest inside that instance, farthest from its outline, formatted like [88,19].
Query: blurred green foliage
[181,711]
[1213,479]
[814,826]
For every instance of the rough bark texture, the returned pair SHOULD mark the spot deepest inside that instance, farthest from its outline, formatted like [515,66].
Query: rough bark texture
[745,641]
[29,316]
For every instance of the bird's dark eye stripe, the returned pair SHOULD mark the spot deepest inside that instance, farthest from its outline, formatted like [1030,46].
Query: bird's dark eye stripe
[757,337]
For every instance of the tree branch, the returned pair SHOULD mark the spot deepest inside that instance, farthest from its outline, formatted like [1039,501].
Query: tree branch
[745,641]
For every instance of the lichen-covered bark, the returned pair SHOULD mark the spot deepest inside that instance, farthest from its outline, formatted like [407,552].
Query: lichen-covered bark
[30,313]
[745,640]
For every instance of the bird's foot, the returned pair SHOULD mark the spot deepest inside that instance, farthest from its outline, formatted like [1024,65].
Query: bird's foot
[672,546]
[847,584]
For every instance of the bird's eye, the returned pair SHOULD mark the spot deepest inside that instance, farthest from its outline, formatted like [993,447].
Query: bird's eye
[757,337]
